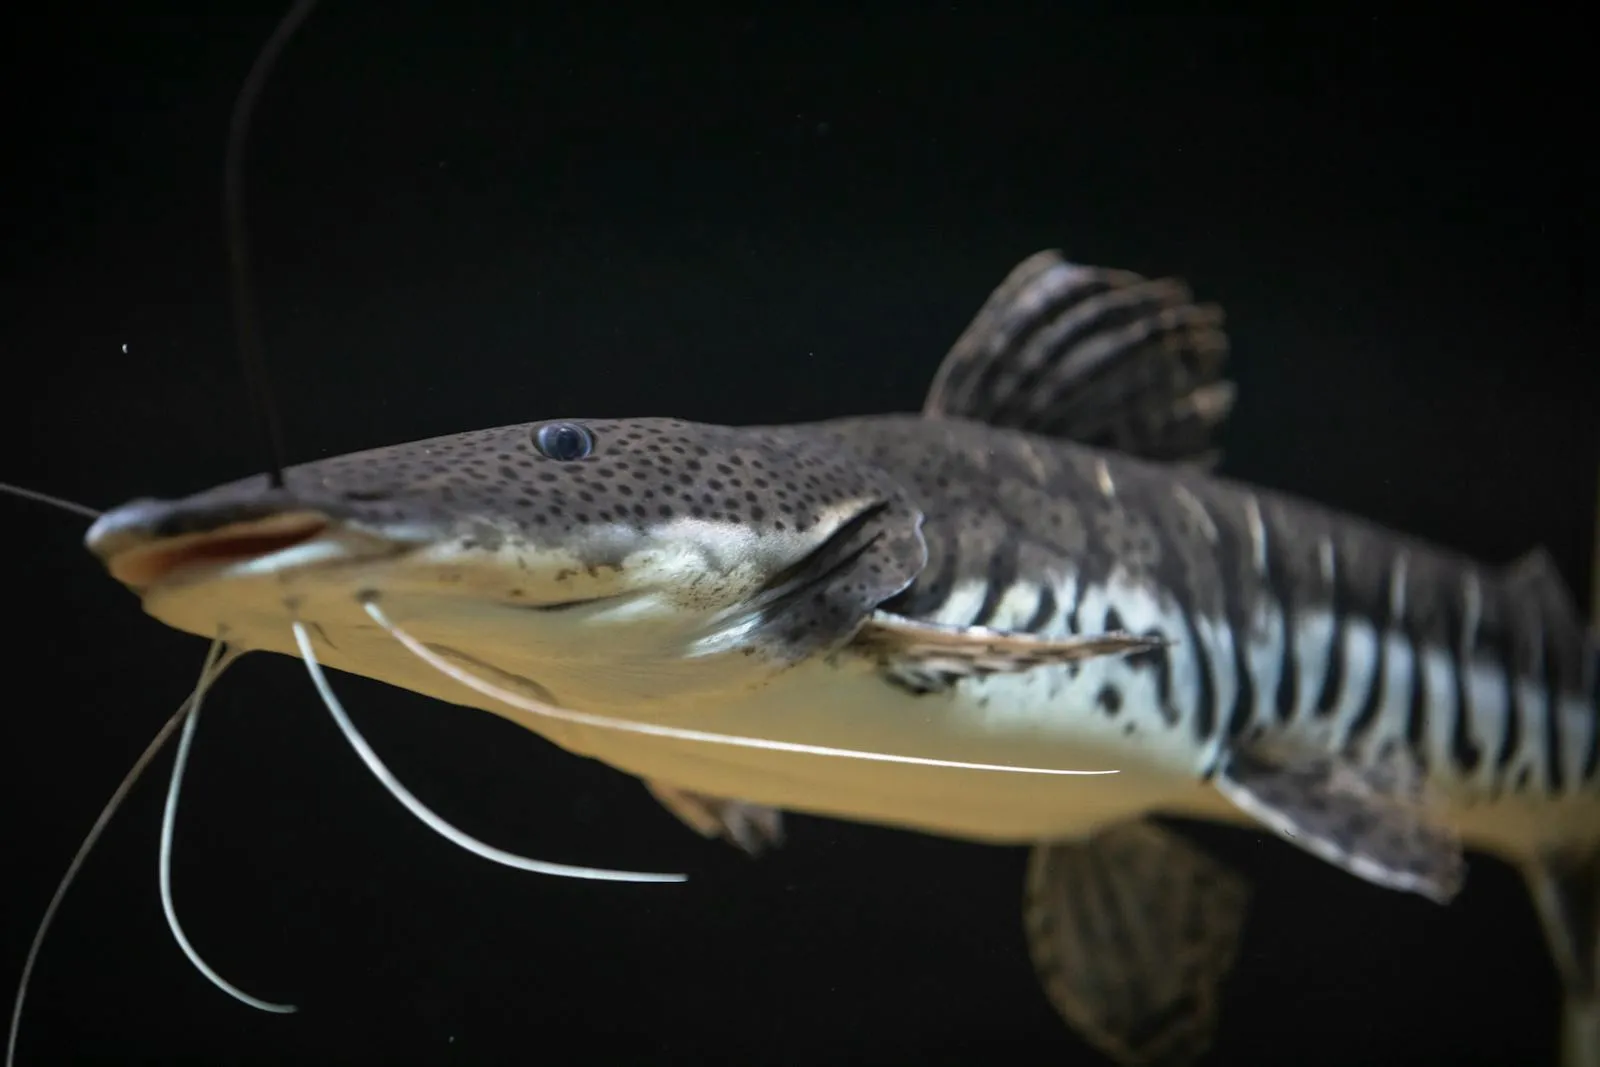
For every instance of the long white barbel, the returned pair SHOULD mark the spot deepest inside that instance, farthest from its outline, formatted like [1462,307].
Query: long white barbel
[606,722]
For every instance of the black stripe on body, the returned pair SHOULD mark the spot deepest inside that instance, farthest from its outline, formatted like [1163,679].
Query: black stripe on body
[1372,703]
[1333,675]
[1417,707]
[1043,612]
[1280,584]
[1193,580]
[1407,617]
[1238,586]
[999,576]
[1504,644]
[1157,659]
[1460,646]
[1160,660]
[1549,673]
[1465,752]
[1205,709]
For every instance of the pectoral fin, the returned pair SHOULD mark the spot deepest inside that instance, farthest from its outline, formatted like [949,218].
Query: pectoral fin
[1132,932]
[751,828]
[928,655]
[814,606]
[1372,820]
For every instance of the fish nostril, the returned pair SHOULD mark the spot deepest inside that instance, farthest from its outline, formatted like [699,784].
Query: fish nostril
[366,496]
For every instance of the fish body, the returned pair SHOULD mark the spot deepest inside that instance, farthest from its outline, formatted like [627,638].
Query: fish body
[1275,610]
[935,585]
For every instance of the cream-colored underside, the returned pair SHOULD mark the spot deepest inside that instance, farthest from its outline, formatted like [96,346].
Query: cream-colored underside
[621,663]
[625,660]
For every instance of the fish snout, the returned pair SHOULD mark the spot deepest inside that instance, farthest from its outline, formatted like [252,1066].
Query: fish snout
[146,540]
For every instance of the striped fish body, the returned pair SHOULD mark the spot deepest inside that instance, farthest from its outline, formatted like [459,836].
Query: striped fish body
[1037,571]
[1372,698]
[1287,622]
[1316,639]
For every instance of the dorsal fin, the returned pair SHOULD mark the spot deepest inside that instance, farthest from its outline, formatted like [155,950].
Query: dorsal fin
[1535,575]
[1105,357]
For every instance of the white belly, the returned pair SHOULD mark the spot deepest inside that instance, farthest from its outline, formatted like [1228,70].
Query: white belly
[850,707]
[1032,719]
[1041,718]
[1008,720]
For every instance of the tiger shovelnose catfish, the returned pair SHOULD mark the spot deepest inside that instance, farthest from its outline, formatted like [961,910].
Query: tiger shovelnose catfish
[1038,570]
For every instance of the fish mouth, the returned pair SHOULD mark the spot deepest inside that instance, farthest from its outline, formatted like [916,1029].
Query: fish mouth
[141,558]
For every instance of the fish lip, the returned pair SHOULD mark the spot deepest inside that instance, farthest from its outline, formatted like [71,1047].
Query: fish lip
[146,521]
[243,527]
[140,557]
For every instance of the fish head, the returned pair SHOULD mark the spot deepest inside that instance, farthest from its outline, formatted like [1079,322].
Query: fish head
[616,561]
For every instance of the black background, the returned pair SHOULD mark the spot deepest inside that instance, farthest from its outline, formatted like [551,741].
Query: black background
[474,215]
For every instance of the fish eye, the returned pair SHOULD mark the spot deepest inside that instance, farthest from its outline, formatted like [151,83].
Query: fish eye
[564,441]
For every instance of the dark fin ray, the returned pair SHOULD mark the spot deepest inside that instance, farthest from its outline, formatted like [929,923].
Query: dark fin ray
[1550,645]
[1372,821]
[1566,896]
[1133,932]
[751,828]
[938,654]
[1104,357]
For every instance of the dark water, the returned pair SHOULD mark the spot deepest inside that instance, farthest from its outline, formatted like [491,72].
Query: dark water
[484,216]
